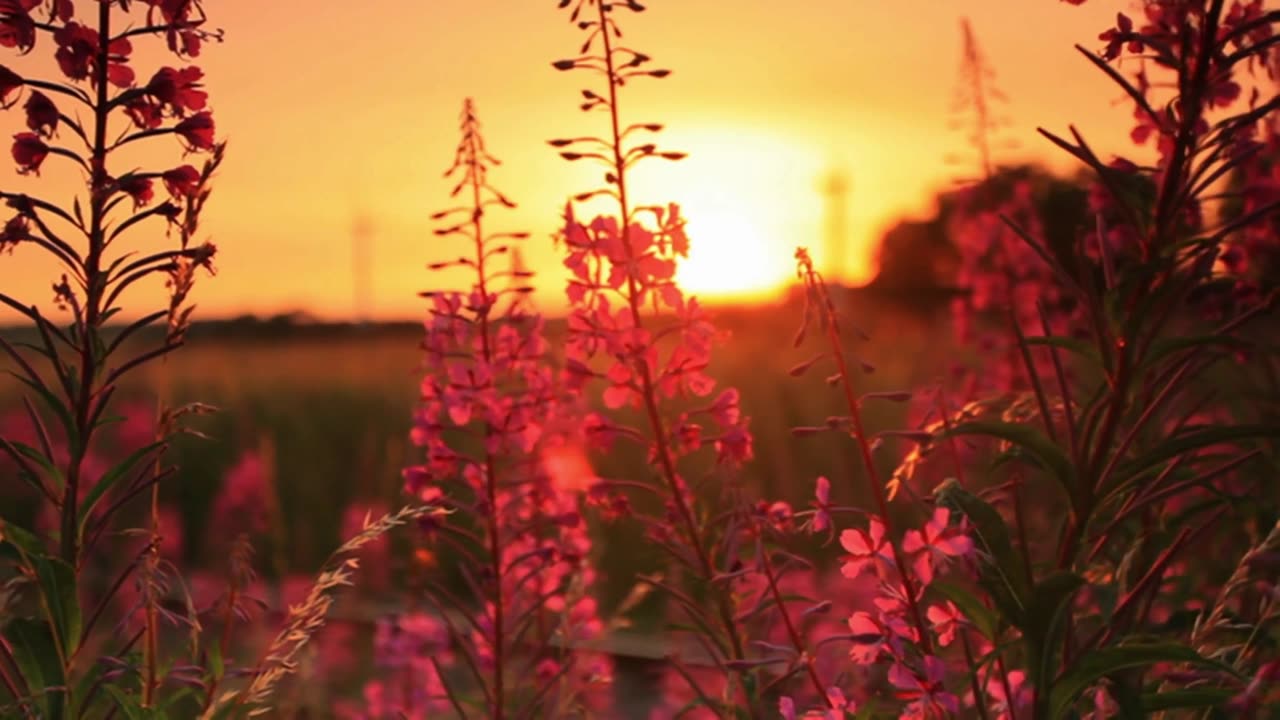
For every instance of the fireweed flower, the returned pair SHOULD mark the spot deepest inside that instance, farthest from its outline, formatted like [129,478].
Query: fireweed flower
[868,549]
[244,496]
[938,543]
[197,131]
[17,27]
[29,151]
[946,620]
[1011,696]
[820,520]
[138,188]
[926,697]
[178,90]
[878,634]
[408,649]
[839,706]
[632,326]
[79,48]
[498,449]
[182,181]
[144,114]
[42,114]
[185,21]
[69,116]
[1156,257]
[15,230]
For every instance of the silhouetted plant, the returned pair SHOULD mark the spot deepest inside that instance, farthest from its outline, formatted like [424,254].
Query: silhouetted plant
[73,371]
[1114,409]
[631,326]
[492,415]
[70,645]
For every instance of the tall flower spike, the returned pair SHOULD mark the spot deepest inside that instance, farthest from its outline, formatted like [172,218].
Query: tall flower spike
[631,325]
[74,111]
[899,620]
[978,94]
[488,422]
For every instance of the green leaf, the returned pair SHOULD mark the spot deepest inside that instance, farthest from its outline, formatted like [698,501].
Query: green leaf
[64,415]
[1094,666]
[982,617]
[37,658]
[183,699]
[217,665]
[1189,441]
[1162,348]
[1044,451]
[1049,603]
[1127,697]
[129,704]
[1189,698]
[109,479]
[59,595]
[24,540]
[89,678]
[38,458]
[1078,347]
[1003,575]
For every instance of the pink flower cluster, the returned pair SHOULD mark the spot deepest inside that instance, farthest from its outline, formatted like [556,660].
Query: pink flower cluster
[1005,279]
[889,631]
[171,92]
[616,278]
[491,411]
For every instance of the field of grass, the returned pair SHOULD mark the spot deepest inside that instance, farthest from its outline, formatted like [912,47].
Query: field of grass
[328,409]
[330,405]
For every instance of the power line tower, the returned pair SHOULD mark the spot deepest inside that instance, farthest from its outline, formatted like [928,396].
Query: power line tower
[518,281]
[835,190]
[362,268]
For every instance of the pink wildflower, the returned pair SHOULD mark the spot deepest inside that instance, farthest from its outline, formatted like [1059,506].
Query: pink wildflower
[1013,703]
[936,544]
[867,549]
[946,620]
[927,698]
[821,521]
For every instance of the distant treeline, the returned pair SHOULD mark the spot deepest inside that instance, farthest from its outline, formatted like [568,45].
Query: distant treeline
[919,259]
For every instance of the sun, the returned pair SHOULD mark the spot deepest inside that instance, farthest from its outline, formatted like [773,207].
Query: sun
[731,257]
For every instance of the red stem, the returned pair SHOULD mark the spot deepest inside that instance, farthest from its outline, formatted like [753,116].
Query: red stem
[665,460]
[491,477]
[868,462]
[792,633]
[979,698]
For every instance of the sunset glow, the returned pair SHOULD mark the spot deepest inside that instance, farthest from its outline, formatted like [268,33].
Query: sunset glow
[731,258]
[317,138]
[638,359]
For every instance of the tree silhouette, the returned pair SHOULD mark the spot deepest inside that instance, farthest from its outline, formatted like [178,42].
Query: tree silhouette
[921,256]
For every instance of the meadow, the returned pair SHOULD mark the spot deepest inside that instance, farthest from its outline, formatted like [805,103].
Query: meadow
[1029,473]
[331,403]
[327,406]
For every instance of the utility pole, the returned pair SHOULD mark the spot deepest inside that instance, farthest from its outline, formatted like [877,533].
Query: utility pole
[835,188]
[518,280]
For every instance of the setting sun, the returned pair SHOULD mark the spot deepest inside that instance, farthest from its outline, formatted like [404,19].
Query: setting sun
[730,257]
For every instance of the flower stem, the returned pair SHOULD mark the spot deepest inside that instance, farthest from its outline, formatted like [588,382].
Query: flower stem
[654,416]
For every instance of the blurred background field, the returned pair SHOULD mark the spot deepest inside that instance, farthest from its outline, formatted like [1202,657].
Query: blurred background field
[311,431]
[327,408]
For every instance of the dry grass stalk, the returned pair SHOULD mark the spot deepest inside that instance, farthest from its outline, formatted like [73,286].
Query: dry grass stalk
[305,619]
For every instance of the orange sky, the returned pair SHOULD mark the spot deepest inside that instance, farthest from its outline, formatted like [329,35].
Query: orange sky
[351,108]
